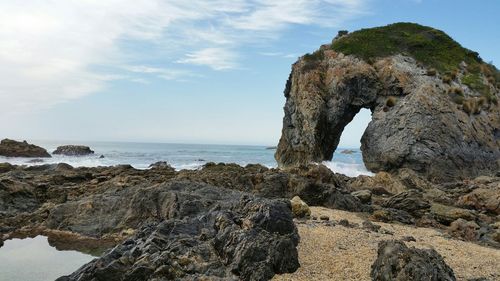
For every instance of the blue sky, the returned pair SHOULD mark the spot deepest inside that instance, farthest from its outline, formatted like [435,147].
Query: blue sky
[187,71]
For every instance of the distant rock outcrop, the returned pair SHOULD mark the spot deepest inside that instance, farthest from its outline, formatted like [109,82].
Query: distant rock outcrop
[73,150]
[12,148]
[434,103]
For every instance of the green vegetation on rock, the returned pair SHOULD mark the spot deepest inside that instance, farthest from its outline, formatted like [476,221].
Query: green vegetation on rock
[427,45]
[431,47]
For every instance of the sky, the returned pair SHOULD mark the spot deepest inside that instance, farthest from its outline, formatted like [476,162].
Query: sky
[187,71]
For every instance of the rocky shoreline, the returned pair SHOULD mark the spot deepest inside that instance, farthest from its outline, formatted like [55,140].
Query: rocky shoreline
[222,204]
[431,211]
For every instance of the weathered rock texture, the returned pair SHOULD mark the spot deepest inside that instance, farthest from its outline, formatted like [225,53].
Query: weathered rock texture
[73,150]
[107,204]
[238,238]
[12,148]
[415,124]
[395,261]
[183,229]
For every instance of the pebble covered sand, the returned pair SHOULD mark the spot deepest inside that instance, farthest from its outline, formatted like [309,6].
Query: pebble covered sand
[329,251]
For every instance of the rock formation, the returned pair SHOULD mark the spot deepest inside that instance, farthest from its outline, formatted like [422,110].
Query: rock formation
[237,239]
[395,261]
[92,209]
[73,150]
[434,104]
[12,148]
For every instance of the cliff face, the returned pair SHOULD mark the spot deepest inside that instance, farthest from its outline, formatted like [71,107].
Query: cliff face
[440,118]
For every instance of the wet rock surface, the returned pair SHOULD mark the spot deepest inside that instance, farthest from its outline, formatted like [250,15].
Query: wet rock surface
[395,261]
[12,148]
[73,150]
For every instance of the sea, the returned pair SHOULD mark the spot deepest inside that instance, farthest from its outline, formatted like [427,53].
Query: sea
[347,161]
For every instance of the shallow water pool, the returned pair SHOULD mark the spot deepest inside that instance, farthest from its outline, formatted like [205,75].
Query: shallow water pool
[33,259]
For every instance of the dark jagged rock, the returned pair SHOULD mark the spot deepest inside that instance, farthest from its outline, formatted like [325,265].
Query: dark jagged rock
[244,239]
[395,261]
[73,150]
[12,148]
[316,185]
[417,122]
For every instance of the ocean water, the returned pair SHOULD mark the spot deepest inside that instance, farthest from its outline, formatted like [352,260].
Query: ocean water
[182,156]
[33,259]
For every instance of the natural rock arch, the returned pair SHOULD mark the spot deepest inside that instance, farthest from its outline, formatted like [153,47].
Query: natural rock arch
[415,124]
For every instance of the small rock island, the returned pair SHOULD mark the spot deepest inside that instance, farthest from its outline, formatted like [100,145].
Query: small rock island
[73,150]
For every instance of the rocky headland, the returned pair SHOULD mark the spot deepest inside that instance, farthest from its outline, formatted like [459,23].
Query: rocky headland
[431,211]
[434,103]
[12,148]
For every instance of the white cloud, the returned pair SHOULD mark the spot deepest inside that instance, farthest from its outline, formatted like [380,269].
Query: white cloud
[53,51]
[216,58]
[167,74]
[279,54]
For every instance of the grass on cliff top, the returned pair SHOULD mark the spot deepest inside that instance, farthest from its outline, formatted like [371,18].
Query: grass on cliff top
[427,45]
[431,47]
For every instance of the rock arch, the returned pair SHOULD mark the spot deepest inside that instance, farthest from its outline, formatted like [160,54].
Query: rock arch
[414,123]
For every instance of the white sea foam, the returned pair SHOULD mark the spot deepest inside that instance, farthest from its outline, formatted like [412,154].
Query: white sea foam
[183,156]
[351,170]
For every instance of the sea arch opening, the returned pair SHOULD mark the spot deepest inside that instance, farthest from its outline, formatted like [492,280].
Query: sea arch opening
[347,158]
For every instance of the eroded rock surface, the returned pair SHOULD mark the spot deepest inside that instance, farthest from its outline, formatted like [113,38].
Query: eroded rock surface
[239,238]
[420,120]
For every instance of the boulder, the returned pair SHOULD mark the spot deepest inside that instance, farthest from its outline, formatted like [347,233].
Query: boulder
[461,228]
[483,199]
[417,121]
[395,261]
[73,150]
[447,214]
[381,182]
[12,148]
[299,208]
[365,196]
[392,215]
[410,201]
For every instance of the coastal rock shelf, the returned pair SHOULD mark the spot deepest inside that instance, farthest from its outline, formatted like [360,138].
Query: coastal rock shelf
[434,104]
[234,237]
[224,220]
